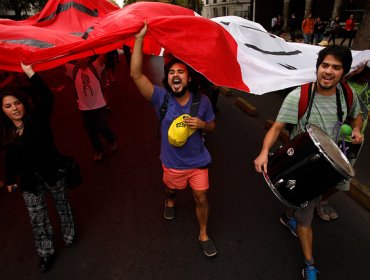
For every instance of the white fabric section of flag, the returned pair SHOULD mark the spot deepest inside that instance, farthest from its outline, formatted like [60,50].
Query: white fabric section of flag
[269,63]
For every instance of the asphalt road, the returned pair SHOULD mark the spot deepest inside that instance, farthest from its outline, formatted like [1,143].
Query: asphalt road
[119,206]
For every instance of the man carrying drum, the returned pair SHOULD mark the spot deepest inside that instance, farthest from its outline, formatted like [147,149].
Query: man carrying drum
[328,102]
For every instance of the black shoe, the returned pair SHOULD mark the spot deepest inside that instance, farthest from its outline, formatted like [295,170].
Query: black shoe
[70,242]
[46,263]
[208,247]
[169,212]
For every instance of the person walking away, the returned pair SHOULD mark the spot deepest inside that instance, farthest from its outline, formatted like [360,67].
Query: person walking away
[349,30]
[32,162]
[319,28]
[334,29]
[91,102]
[185,160]
[307,28]
[273,24]
[292,23]
[279,26]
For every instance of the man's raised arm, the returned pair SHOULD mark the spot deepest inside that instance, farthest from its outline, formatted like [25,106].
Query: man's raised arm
[142,82]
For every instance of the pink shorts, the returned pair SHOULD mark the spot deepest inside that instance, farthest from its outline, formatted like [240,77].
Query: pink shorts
[180,178]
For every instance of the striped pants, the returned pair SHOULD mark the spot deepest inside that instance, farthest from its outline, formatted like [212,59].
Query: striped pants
[40,223]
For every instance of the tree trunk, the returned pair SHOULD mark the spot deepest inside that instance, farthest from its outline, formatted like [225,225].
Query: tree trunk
[286,13]
[337,8]
[308,7]
[362,39]
[18,13]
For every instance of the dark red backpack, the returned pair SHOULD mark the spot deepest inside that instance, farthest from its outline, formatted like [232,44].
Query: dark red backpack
[306,93]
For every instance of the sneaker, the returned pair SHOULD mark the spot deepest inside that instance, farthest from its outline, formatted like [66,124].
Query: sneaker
[208,247]
[321,212]
[70,241]
[309,272]
[46,263]
[330,211]
[169,212]
[290,223]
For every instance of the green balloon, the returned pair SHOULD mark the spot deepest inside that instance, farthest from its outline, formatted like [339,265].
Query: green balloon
[346,130]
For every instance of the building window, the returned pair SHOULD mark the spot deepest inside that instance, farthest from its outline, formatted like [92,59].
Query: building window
[215,12]
[214,1]
[207,2]
[224,11]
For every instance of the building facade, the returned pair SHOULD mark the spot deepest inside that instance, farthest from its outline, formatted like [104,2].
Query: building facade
[262,11]
[219,8]
[5,13]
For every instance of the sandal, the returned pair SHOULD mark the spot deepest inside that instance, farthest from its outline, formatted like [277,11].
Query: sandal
[169,212]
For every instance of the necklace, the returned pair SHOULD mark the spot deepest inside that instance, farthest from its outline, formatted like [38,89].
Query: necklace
[19,128]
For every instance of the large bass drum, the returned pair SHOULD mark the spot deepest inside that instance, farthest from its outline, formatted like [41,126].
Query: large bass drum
[307,166]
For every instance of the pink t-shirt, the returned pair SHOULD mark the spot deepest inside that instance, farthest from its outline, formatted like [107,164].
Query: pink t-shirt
[89,92]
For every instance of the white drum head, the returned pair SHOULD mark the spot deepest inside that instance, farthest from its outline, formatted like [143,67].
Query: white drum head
[331,151]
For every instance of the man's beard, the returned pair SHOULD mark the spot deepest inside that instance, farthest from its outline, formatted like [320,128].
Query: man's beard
[179,94]
[326,87]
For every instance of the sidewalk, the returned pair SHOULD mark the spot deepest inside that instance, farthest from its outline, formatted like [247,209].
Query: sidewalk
[286,37]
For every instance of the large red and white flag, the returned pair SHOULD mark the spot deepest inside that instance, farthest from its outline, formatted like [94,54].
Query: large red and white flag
[229,51]
[269,63]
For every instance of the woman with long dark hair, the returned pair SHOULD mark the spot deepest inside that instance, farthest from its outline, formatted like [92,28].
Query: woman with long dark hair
[32,162]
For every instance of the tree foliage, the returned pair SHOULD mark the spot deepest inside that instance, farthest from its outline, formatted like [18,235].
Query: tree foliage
[20,6]
[362,39]
[195,5]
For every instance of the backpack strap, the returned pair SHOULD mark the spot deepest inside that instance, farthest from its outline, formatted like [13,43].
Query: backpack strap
[163,108]
[91,67]
[163,111]
[348,95]
[305,96]
[305,100]
[194,108]
[195,105]
[74,72]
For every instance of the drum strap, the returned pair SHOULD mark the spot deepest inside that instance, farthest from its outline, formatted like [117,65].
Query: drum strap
[340,112]
[311,95]
[312,92]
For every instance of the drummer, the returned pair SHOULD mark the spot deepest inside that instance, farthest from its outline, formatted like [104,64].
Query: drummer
[332,64]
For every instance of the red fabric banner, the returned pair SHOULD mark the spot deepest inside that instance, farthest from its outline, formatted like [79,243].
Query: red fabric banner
[67,30]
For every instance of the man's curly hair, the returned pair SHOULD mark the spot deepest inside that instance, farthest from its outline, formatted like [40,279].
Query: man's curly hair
[167,67]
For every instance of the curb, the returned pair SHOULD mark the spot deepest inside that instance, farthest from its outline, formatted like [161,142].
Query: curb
[246,106]
[283,136]
[225,91]
[360,193]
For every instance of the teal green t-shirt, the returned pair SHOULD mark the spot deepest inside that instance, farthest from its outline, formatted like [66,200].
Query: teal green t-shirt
[323,113]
